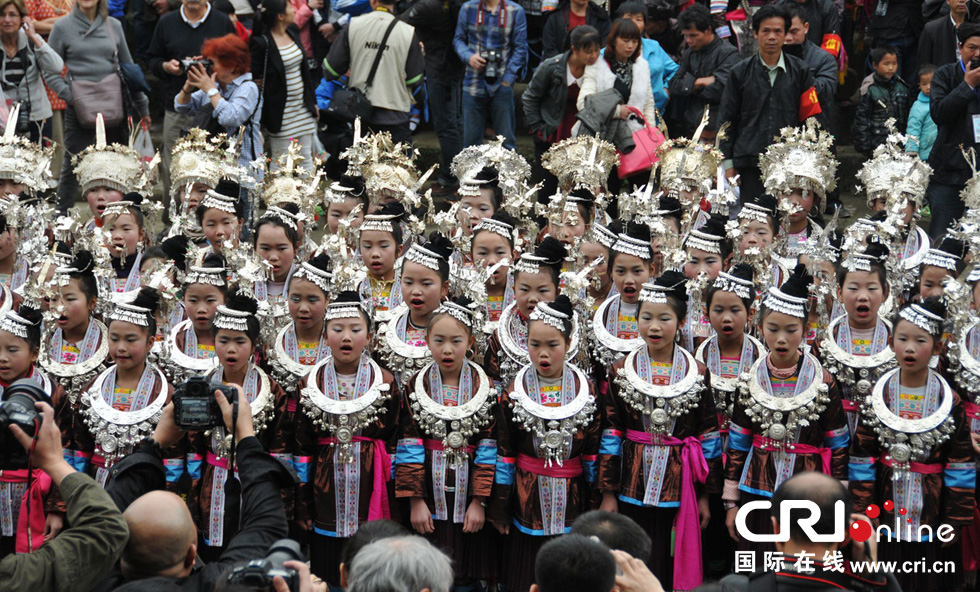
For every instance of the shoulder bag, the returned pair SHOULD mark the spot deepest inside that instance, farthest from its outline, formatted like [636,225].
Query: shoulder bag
[642,158]
[91,97]
[351,103]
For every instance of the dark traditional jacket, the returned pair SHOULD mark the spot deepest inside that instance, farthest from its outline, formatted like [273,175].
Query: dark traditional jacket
[885,99]
[717,59]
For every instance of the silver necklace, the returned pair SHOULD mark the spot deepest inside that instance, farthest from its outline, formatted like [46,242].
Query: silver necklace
[779,417]
[516,357]
[398,354]
[554,426]
[661,403]
[74,376]
[115,430]
[609,348]
[852,369]
[180,365]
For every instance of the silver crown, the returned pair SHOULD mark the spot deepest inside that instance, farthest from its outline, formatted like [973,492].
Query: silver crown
[703,241]
[735,285]
[939,258]
[130,313]
[549,316]
[211,276]
[602,235]
[424,257]
[460,313]
[779,301]
[632,246]
[922,318]
[344,310]
[13,323]
[230,319]
[653,293]
[496,226]
[213,199]
[315,275]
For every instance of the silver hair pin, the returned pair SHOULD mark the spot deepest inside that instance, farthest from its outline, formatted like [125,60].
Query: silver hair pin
[213,199]
[703,241]
[315,275]
[496,226]
[653,293]
[779,301]
[344,310]
[604,236]
[633,246]
[13,323]
[549,316]
[128,313]
[211,276]
[424,257]
[460,313]
[922,318]
[938,258]
[735,285]
[283,216]
[230,319]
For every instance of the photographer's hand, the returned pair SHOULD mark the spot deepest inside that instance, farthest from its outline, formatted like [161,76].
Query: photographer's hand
[166,434]
[305,581]
[477,62]
[172,67]
[47,454]
[198,77]
[244,426]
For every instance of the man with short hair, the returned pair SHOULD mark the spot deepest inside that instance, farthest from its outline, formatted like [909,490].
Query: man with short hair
[662,67]
[702,74]
[938,45]
[824,21]
[180,35]
[400,563]
[955,107]
[826,492]
[400,70]
[564,19]
[823,67]
[765,93]
[551,96]
[491,39]
[574,563]
[616,531]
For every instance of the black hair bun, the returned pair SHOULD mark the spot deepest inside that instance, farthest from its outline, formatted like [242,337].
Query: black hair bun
[638,231]
[464,301]
[30,314]
[353,182]
[670,205]
[175,248]
[799,282]
[552,250]
[133,197]
[877,251]
[767,203]
[348,296]
[83,263]
[934,305]
[582,196]
[61,247]
[953,247]
[714,226]
[321,262]
[241,302]
[487,176]
[675,282]
[289,207]
[617,226]
[563,305]
[440,245]
[214,261]
[505,217]
[147,298]
[228,188]
[742,271]
[394,208]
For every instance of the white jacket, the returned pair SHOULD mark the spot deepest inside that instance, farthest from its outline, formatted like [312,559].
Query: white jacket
[599,77]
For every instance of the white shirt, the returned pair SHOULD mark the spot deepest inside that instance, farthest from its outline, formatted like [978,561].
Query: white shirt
[195,24]
[570,78]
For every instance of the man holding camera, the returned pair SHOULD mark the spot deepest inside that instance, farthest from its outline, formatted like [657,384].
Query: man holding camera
[162,548]
[491,39]
[83,552]
[179,35]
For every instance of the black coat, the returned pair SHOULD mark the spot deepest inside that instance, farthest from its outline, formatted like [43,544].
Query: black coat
[952,104]
[717,59]
[263,518]
[823,18]
[435,25]
[546,96]
[556,27]
[758,111]
[274,83]
[901,19]
[937,45]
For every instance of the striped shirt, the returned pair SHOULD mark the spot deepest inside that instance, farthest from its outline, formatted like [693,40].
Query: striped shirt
[13,70]
[296,120]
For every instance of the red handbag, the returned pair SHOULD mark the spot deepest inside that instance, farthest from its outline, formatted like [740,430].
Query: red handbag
[643,156]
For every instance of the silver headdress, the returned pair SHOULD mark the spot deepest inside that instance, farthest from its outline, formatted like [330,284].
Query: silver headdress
[688,163]
[284,216]
[513,170]
[922,318]
[423,256]
[460,313]
[218,201]
[857,261]
[602,235]
[974,275]
[528,263]
[633,246]
[940,258]
[113,165]
[197,158]
[211,276]
[378,222]
[496,226]
[23,161]
[314,275]
[117,208]
[654,293]
[735,285]
[337,192]
[582,161]
[345,310]
[802,159]
[129,313]
[893,174]
[703,241]
[752,211]
[779,301]
[549,316]
[231,319]
[13,323]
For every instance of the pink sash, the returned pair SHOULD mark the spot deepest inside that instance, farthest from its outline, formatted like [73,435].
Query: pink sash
[825,453]
[569,469]
[382,474]
[687,523]
[40,487]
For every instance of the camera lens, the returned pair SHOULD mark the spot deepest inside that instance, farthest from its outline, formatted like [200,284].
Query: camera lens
[196,387]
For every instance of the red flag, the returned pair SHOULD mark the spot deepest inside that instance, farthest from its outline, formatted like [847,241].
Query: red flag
[809,104]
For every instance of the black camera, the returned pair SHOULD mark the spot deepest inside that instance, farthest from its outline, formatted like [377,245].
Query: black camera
[195,407]
[492,69]
[975,63]
[187,63]
[17,408]
[257,574]
[24,119]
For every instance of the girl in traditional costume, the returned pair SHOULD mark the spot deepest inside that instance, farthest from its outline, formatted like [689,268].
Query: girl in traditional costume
[939,264]
[547,442]
[190,350]
[221,215]
[125,224]
[493,243]
[380,244]
[424,284]
[913,449]
[448,434]
[787,416]
[855,346]
[708,252]
[661,448]
[536,279]
[236,339]
[345,432]
[276,240]
[22,531]
[598,243]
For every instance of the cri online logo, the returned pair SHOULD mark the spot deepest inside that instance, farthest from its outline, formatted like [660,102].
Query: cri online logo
[860,530]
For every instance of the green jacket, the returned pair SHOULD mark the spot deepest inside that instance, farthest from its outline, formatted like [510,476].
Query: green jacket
[84,551]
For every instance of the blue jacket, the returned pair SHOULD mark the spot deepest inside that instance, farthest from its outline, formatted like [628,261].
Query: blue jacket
[922,127]
[662,69]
